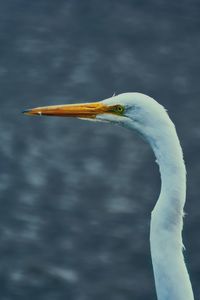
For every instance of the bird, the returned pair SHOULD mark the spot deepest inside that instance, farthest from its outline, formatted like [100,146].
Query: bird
[141,113]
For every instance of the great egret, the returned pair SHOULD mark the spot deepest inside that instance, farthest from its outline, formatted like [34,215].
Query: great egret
[143,114]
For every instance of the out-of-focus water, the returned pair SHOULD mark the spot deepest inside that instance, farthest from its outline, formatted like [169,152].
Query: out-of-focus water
[76,197]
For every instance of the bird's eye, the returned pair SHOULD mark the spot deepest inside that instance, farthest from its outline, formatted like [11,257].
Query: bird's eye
[119,109]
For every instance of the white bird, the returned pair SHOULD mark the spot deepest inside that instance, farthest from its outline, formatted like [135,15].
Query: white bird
[143,114]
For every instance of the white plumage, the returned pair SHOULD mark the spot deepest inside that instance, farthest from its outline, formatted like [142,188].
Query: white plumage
[152,121]
[143,114]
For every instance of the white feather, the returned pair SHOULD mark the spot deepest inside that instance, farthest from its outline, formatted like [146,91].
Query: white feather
[147,116]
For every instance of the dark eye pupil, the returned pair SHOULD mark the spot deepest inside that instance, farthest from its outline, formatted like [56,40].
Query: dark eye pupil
[118,109]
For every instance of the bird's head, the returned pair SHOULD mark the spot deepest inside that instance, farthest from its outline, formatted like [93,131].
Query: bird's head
[132,110]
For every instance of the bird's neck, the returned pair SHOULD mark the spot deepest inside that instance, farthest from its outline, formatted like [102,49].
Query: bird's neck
[171,276]
[169,157]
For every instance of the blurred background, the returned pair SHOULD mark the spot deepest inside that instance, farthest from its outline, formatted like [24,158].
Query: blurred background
[75,196]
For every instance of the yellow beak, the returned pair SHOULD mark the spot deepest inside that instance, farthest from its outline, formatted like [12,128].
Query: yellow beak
[83,110]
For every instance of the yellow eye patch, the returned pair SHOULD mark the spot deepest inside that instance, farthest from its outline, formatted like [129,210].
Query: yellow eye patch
[117,109]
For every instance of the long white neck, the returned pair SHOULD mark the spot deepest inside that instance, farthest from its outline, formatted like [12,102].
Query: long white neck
[171,276]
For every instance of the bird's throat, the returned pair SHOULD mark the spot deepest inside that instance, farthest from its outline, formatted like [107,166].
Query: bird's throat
[169,157]
[171,276]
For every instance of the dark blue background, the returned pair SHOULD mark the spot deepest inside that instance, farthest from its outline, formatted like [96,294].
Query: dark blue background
[76,197]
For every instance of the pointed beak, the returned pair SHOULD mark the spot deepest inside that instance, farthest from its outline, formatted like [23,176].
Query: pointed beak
[83,110]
